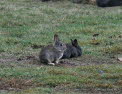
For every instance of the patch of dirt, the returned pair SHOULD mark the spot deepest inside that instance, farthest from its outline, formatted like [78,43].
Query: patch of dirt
[30,57]
[72,62]
[65,90]
[86,60]
[15,84]
[66,63]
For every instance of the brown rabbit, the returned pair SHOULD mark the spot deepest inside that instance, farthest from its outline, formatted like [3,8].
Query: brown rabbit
[51,54]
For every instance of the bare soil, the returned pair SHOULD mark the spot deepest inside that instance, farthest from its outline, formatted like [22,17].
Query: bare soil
[79,61]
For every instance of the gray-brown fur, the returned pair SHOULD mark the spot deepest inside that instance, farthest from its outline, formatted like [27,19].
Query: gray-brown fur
[51,54]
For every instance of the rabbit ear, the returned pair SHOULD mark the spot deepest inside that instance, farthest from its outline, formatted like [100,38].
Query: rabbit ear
[56,38]
[75,43]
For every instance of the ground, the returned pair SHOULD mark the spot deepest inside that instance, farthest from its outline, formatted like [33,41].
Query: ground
[28,25]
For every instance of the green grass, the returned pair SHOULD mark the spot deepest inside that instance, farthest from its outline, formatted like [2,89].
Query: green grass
[49,78]
[24,23]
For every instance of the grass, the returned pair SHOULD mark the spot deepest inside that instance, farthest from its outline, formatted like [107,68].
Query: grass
[51,78]
[24,23]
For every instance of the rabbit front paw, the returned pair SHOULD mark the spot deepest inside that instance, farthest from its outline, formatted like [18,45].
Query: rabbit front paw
[57,61]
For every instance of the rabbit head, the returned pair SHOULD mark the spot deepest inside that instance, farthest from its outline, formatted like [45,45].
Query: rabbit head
[59,45]
[74,42]
[76,45]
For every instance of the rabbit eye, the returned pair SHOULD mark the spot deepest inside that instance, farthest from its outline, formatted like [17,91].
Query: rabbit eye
[61,44]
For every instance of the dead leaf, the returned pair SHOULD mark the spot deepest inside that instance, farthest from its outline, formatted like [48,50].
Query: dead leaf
[34,46]
[95,35]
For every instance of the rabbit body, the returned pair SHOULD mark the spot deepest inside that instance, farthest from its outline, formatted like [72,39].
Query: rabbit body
[51,54]
[73,50]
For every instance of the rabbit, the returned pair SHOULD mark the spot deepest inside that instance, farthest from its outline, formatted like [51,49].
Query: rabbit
[73,50]
[51,54]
